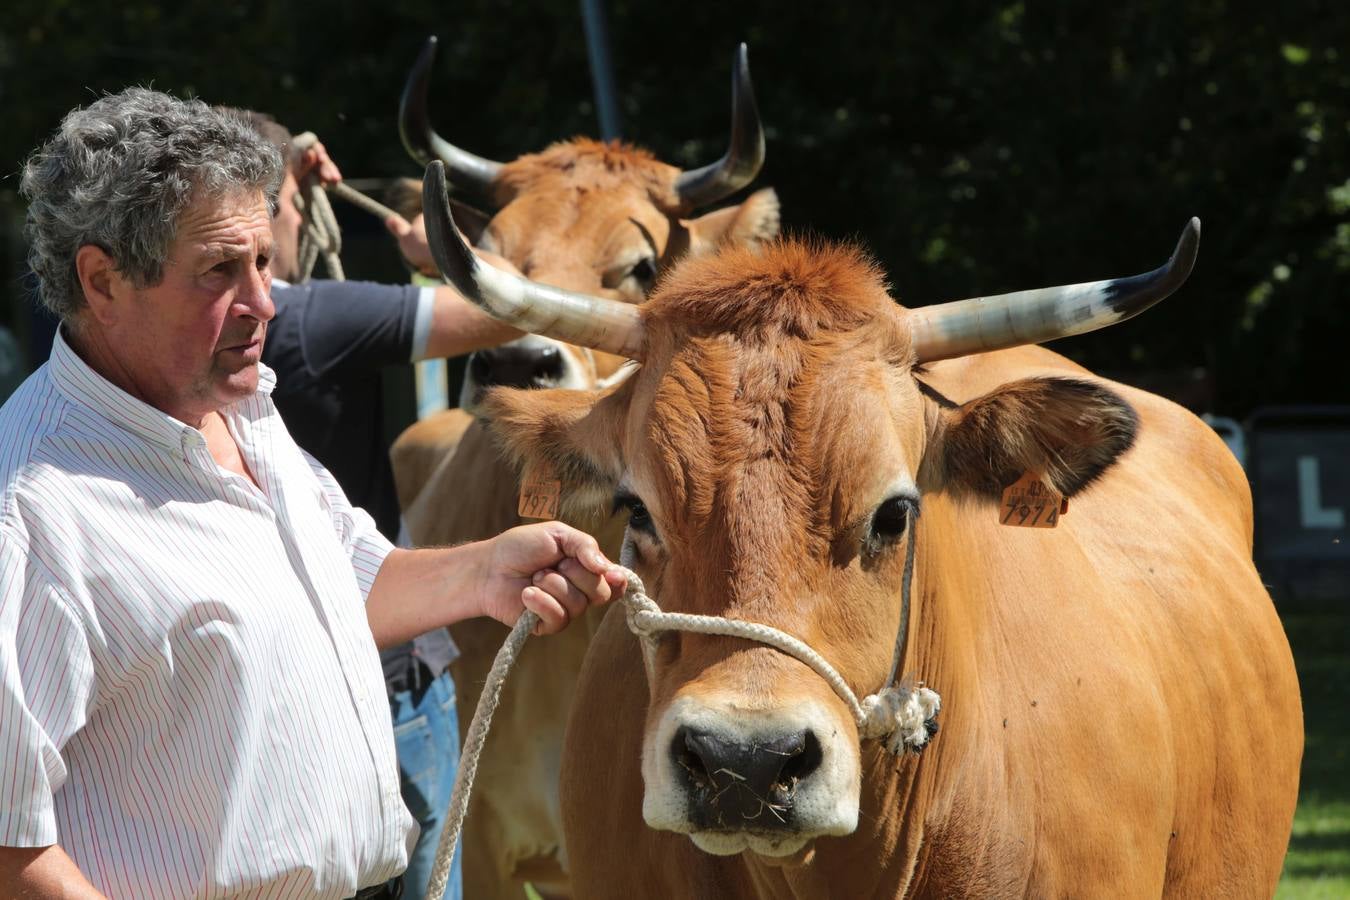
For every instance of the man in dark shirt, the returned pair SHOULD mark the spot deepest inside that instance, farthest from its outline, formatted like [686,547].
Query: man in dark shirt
[328,343]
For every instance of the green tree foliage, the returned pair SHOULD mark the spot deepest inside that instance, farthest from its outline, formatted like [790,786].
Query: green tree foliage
[974,147]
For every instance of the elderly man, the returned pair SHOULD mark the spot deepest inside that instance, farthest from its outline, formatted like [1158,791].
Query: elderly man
[191,702]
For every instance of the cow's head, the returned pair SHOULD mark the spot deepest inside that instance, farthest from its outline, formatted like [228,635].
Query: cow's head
[599,218]
[772,450]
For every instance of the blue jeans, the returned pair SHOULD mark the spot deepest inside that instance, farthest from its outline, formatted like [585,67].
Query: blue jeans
[426,736]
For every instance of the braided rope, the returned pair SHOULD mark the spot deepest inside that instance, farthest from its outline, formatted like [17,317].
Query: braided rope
[320,235]
[898,715]
[473,749]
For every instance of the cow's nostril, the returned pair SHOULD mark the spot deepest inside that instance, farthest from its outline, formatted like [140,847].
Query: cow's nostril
[526,365]
[685,749]
[549,366]
[802,763]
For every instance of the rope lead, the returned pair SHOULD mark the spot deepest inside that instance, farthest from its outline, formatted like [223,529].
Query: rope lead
[902,716]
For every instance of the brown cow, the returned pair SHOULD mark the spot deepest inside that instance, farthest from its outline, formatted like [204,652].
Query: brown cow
[1120,714]
[584,216]
[602,218]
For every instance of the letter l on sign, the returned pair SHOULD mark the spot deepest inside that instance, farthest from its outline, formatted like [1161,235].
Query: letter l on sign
[1310,507]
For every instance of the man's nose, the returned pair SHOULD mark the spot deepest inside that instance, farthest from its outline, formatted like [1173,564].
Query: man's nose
[255,296]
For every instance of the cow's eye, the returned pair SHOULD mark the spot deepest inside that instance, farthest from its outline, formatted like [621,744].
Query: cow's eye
[644,271]
[889,522]
[638,517]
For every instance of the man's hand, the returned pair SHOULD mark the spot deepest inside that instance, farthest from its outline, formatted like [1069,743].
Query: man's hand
[550,569]
[315,159]
[412,243]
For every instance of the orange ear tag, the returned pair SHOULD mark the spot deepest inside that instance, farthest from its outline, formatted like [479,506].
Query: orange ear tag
[540,491]
[1029,503]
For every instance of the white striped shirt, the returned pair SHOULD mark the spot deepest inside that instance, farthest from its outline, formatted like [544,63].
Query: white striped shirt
[191,702]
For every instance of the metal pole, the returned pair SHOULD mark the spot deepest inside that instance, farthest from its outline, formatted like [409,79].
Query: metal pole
[602,67]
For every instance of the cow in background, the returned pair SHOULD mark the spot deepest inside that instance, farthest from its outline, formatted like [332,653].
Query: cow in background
[1119,708]
[601,218]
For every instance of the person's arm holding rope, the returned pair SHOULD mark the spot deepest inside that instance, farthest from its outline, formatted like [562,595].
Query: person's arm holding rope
[548,568]
[457,326]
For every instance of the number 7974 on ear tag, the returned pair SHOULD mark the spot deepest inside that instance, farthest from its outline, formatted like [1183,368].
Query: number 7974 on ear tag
[539,494]
[1029,503]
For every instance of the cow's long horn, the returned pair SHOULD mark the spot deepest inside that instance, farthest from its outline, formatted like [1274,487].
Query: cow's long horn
[579,319]
[467,171]
[1031,317]
[743,158]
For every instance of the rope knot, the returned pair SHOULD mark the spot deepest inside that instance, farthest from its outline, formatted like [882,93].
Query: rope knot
[643,614]
[900,716]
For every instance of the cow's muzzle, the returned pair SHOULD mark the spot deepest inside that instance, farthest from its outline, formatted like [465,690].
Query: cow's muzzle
[738,784]
[768,780]
[529,362]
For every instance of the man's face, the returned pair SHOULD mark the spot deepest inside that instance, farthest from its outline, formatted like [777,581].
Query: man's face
[191,344]
[286,232]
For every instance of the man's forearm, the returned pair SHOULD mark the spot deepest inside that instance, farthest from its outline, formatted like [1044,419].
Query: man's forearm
[419,590]
[42,872]
[459,327]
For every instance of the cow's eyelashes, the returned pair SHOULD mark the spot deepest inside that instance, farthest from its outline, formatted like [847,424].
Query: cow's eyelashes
[638,516]
[889,522]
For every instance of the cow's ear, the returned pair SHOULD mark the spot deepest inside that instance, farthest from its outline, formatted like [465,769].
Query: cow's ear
[404,196]
[470,220]
[573,434]
[1067,430]
[755,221]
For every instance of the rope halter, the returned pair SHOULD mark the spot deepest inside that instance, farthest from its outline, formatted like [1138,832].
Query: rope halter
[902,716]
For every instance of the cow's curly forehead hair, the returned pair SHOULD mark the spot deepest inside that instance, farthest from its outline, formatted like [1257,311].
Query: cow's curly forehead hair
[119,173]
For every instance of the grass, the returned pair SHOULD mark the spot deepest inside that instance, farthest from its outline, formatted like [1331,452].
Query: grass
[1318,864]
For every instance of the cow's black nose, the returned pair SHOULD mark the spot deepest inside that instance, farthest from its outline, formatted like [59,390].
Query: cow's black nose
[526,366]
[739,783]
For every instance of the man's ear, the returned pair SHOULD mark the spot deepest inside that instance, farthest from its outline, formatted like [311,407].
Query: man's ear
[100,281]
[755,221]
[574,434]
[1067,430]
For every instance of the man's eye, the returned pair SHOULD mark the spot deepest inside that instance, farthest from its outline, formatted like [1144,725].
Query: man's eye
[263,262]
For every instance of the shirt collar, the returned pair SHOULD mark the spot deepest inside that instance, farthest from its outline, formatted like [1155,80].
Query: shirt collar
[81,384]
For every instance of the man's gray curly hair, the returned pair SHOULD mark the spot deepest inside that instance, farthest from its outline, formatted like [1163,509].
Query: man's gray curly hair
[119,173]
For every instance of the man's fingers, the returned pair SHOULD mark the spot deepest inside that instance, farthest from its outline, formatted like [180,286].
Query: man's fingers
[581,546]
[552,617]
[596,587]
[573,597]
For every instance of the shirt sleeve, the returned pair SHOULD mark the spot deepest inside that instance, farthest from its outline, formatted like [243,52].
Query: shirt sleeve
[363,542]
[46,691]
[353,327]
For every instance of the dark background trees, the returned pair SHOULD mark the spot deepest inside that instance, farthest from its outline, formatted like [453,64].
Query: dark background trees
[973,147]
